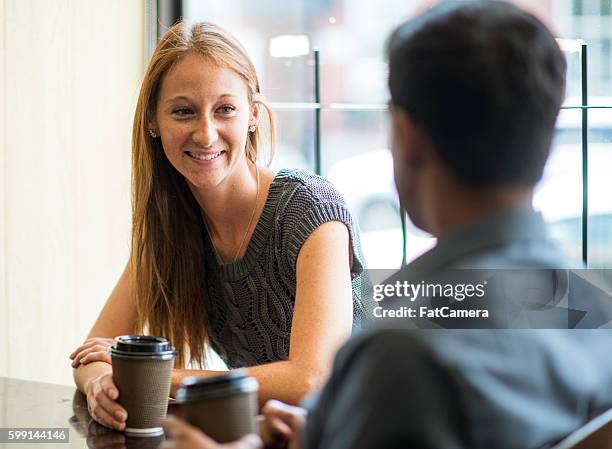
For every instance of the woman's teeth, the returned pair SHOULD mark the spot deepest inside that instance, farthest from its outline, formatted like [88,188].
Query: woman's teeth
[205,157]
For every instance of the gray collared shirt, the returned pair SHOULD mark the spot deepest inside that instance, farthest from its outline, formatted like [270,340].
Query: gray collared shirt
[467,388]
[515,238]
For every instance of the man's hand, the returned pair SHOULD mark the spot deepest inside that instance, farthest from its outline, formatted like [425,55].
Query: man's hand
[282,423]
[180,435]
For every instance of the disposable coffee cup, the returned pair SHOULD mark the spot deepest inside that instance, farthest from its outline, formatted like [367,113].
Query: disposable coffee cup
[223,407]
[142,372]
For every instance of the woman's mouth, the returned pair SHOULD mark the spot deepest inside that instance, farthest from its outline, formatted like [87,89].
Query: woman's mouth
[204,156]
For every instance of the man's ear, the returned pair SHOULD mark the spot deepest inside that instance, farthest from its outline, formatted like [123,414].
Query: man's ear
[409,136]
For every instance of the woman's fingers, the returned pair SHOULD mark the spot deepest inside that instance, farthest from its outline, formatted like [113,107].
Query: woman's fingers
[80,348]
[111,394]
[86,344]
[100,415]
[100,341]
[103,417]
[96,357]
[111,407]
[101,403]
[92,346]
[96,349]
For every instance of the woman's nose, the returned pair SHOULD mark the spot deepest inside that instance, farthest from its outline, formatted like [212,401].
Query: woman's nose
[205,133]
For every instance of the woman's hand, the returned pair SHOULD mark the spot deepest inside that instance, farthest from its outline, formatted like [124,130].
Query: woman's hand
[282,423]
[101,402]
[180,435]
[92,350]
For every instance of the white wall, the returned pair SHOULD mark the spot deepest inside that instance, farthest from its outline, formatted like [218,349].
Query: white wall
[69,78]
[3,289]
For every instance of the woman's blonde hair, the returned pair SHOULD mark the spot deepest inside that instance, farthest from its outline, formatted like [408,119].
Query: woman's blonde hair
[167,259]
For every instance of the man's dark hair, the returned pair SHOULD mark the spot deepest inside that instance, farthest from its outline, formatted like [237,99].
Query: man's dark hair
[485,81]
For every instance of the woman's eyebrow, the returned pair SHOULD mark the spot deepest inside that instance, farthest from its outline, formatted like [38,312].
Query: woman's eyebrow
[178,97]
[183,97]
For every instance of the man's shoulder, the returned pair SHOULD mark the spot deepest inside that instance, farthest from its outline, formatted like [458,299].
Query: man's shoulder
[438,383]
[375,349]
[536,253]
[469,349]
[396,346]
[510,239]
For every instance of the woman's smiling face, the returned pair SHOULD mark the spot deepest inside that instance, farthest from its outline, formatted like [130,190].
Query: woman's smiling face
[202,116]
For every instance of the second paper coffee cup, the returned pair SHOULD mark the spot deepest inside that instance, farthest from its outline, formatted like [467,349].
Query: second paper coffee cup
[223,407]
[142,372]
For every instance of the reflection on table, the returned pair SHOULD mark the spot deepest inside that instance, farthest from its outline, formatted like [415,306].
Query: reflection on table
[34,404]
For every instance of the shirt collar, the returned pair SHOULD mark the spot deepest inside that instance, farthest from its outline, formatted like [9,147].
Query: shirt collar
[520,223]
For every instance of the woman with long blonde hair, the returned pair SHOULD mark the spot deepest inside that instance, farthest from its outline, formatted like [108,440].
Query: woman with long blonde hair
[263,267]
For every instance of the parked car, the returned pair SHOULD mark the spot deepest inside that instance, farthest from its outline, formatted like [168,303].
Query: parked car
[366,182]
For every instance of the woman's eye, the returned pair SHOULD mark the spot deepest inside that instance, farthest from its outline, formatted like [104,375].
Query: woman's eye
[182,111]
[227,109]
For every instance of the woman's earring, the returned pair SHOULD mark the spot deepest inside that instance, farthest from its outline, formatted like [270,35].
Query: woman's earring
[153,134]
[252,128]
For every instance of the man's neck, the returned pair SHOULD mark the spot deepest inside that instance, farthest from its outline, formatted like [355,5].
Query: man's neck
[465,207]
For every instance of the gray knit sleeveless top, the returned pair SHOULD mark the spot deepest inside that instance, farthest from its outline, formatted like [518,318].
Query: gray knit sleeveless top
[249,303]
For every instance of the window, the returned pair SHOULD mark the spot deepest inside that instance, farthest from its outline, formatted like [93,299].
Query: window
[350,35]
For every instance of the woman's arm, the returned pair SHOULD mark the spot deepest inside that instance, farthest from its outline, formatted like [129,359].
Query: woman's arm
[322,319]
[118,317]
[94,378]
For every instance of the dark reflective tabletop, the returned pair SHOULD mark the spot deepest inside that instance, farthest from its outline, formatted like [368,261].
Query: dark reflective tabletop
[25,404]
